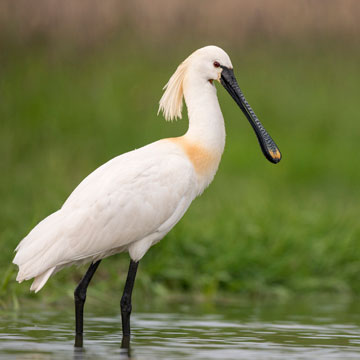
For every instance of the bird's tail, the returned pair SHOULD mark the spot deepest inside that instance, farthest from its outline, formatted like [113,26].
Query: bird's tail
[33,252]
[40,280]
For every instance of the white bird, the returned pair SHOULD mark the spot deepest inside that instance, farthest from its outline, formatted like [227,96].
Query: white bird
[132,201]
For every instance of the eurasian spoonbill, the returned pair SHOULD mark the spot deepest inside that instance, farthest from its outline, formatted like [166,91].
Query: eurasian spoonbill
[132,201]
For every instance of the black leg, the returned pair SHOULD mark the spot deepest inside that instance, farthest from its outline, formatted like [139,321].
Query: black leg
[126,303]
[80,296]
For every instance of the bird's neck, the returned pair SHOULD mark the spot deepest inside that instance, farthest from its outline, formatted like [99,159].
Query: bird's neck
[205,139]
[206,122]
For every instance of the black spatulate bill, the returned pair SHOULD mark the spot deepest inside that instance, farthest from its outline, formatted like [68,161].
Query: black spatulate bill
[267,144]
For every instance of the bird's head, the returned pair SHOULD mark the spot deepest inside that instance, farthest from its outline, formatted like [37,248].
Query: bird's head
[206,65]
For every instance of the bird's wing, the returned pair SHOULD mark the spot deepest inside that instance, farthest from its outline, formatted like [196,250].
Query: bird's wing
[127,199]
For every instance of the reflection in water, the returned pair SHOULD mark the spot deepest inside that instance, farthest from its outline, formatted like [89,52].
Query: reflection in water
[78,353]
[83,354]
[315,332]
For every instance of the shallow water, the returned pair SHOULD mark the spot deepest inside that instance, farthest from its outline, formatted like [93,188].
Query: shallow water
[297,331]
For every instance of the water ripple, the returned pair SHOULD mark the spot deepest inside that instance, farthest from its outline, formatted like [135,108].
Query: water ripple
[48,335]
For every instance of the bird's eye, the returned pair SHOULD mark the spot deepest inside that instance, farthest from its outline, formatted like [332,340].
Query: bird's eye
[216,64]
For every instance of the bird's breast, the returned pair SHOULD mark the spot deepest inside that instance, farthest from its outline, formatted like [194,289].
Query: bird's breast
[204,159]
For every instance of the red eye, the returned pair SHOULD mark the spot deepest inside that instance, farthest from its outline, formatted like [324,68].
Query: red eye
[216,64]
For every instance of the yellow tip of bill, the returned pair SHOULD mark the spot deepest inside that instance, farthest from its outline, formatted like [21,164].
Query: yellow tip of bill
[276,155]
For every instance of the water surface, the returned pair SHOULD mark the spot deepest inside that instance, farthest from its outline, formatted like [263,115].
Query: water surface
[292,331]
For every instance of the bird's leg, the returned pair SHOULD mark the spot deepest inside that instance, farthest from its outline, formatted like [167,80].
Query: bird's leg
[80,296]
[125,303]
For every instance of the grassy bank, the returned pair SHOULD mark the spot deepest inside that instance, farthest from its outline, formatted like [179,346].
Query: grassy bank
[258,230]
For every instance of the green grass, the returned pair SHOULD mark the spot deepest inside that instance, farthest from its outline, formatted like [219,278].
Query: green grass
[259,230]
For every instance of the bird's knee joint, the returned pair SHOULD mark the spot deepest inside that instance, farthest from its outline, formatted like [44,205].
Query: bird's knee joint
[79,296]
[126,308]
[125,304]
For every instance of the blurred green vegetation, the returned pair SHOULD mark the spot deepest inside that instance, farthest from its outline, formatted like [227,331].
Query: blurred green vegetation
[260,230]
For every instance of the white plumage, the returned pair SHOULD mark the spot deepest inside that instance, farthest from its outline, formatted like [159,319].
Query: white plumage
[127,204]
[135,199]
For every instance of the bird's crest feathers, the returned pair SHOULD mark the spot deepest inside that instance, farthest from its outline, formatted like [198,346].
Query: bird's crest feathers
[171,103]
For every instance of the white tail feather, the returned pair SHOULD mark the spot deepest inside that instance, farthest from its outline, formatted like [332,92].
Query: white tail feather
[41,280]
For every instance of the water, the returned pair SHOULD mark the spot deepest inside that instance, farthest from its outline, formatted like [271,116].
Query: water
[293,331]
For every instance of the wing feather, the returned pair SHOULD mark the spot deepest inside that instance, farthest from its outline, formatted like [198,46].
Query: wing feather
[138,195]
